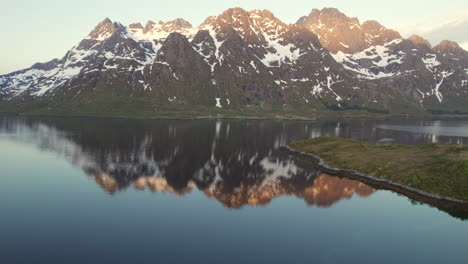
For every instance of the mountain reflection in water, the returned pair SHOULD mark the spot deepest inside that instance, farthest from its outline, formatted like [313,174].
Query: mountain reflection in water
[324,190]
[237,163]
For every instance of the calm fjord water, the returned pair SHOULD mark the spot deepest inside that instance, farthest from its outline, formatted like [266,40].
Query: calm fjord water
[76,190]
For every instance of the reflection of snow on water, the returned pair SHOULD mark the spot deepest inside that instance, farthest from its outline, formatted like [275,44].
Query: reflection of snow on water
[337,129]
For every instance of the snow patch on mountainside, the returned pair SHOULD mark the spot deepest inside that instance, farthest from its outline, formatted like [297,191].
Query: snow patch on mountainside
[281,53]
[436,90]
[77,60]
[111,58]
[271,30]
[102,36]
[56,78]
[218,102]
[330,82]
[76,55]
[158,33]
[42,81]
[430,61]
[318,89]
[218,56]
[217,44]
[380,57]
[18,83]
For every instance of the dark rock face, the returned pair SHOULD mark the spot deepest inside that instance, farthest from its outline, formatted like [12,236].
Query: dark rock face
[251,58]
[179,74]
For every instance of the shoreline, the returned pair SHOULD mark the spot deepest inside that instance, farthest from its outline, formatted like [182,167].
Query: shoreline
[412,193]
[344,116]
[167,118]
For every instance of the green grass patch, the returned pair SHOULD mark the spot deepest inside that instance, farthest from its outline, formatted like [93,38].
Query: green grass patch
[440,169]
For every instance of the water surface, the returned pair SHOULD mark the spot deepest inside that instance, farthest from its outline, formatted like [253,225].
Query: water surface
[83,190]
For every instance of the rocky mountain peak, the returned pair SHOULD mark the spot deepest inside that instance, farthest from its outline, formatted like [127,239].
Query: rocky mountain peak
[148,26]
[232,16]
[246,23]
[234,12]
[338,32]
[330,12]
[325,17]
[156,32]
[417,40]
[373,27]
[263,13]
[237,15]
[136,25]
[447,47]
[177,24]
[379,34]
[104,30]
[447,44]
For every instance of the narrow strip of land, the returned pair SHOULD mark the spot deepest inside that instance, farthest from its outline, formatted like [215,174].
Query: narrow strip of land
[440,170]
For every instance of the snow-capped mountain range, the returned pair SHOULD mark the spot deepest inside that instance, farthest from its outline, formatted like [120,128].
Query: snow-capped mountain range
[245,58]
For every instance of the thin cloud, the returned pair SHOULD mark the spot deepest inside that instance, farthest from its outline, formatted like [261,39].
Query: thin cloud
[464,45]
[452,26]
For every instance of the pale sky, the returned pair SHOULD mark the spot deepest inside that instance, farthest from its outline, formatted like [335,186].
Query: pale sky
[38,31]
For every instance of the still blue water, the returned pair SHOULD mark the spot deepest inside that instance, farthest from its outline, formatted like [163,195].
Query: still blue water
[208,191]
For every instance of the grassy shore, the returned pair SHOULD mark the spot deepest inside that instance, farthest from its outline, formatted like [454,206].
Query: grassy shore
[439,169]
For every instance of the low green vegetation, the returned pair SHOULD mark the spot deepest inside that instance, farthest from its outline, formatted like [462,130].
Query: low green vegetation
[440,169]
[147,108]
